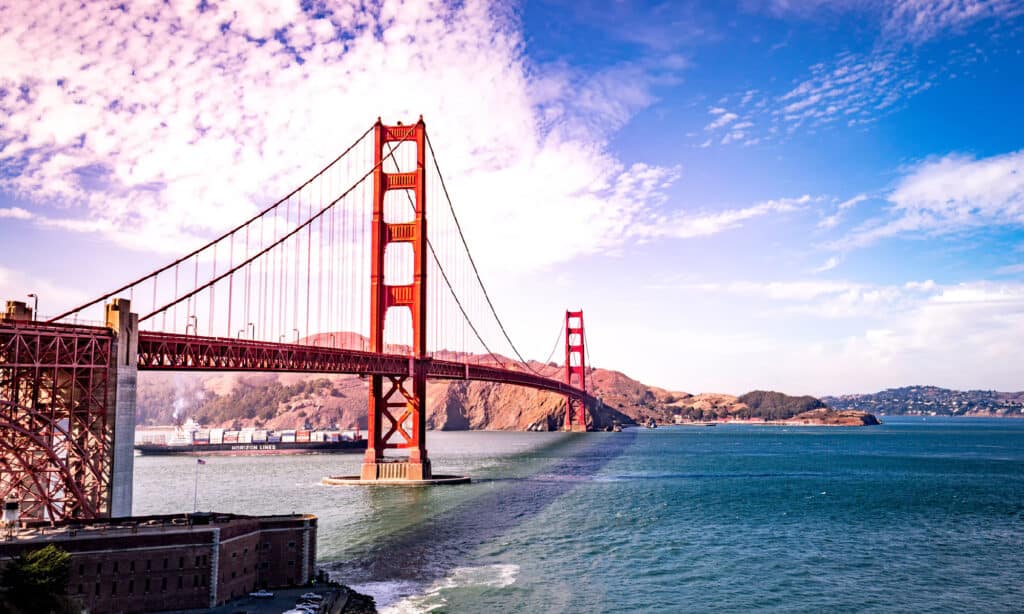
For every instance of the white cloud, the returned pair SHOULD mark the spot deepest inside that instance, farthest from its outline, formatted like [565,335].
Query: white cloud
[830,221]
[950,194]
[920,20]
[1011,269]
[685,225]
[852,202]
[723,119]
[158,125]
[837,336]
[16,213]
[828,265]
[912,21]
[962,190]
[945,334]
[855,89]
[798,291]
[833,220]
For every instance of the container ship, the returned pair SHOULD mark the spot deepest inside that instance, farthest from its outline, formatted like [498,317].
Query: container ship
[189,439]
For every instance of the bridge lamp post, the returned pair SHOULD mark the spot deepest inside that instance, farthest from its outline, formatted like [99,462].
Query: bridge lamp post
[35,305]
[252,331]
[296,331]
[241,331]
[280,339]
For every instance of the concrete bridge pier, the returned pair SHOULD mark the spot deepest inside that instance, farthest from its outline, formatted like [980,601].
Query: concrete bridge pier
[123,384]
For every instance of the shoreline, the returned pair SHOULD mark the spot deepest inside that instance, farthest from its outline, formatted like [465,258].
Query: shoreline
[762,423]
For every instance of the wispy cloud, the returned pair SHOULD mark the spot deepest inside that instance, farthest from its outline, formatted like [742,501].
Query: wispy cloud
[1010,269]
[726,121]
[858,88]
[921,20]
[855,89]
[157,125]
[949,194]
[831,221]
[828,265]
[724,118]
[686,225]
[848,336]
[16,213]
[912,21]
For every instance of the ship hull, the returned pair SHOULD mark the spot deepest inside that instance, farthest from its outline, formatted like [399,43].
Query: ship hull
[253,449]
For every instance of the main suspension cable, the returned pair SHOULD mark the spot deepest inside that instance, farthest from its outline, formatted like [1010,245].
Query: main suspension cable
[476,272]
[280,241]
[440,268]
[214,242]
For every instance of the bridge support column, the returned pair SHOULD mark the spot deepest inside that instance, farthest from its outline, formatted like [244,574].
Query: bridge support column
[575,371]
[396,413]
[123,382]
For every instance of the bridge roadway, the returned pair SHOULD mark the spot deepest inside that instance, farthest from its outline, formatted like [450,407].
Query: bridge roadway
[178,352]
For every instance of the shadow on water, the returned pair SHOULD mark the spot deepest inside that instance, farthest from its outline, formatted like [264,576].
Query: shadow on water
[436,543]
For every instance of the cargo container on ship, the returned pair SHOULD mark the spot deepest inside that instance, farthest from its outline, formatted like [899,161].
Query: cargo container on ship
[191,440]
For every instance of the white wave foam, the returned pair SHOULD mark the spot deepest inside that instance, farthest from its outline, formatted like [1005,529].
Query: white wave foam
[487,576]
[388,593]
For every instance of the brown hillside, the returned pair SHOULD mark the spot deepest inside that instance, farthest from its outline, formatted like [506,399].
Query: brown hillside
[292,400]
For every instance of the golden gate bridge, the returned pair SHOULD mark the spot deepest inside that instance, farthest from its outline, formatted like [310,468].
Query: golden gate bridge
[341,275]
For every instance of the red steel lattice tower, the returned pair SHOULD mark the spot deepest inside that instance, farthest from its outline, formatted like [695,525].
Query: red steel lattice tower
[575,371]
[396,416]
[55,432]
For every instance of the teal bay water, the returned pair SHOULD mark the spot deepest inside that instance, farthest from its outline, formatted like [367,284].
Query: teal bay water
[914,515]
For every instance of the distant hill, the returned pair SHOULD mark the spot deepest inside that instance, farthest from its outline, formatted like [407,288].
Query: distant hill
[933,401]
[290,400]
[777,406]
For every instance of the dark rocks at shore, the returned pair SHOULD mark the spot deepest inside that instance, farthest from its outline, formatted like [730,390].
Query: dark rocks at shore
[358,603]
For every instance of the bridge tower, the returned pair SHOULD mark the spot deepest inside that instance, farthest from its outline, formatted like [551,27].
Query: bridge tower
[575,371]
[396,416]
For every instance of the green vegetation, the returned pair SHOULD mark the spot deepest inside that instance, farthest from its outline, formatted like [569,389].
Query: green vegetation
[37,582]
[756,405]
[251,399]
[772,405]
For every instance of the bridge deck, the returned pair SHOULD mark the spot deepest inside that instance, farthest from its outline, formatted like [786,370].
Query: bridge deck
[177,352]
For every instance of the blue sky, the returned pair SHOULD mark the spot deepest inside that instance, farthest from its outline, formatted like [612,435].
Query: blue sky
[816,197]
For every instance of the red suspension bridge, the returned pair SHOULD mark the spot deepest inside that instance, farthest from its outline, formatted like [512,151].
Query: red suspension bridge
[342,275]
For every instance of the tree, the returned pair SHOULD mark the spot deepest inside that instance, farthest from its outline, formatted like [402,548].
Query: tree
[37,581]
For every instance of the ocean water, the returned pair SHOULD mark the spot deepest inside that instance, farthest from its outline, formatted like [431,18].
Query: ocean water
[914,515]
